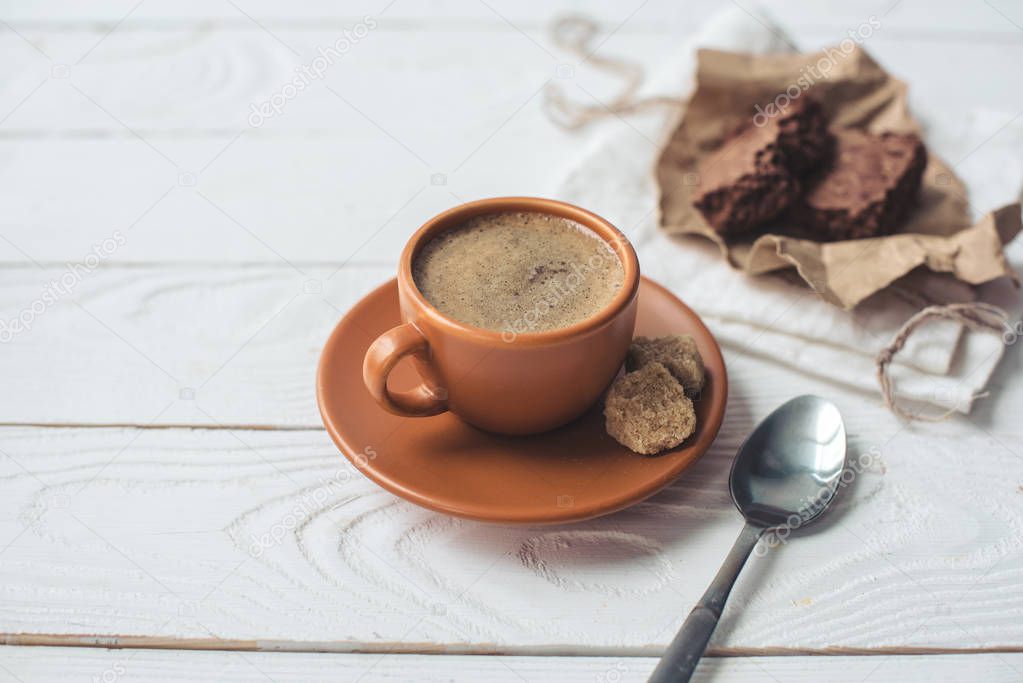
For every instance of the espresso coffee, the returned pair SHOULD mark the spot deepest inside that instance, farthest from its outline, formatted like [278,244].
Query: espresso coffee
[518,272]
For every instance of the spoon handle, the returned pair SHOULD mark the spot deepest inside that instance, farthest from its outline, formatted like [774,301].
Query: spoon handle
[680,659]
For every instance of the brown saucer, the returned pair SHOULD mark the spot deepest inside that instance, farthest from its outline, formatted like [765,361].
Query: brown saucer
[441,463]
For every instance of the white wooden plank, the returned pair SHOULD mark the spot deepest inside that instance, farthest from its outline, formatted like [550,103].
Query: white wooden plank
[208,80]
[319,181]
[129,345]
[319,11]
[237,538]
[408,82]
[946,16]
[184,345]
[213,345]
[415,141]
[155,666]
[261,208]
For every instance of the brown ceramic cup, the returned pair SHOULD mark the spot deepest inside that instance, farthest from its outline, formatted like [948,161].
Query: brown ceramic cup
[504,382]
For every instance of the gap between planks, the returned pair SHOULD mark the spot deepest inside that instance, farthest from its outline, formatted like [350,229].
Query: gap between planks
[407,648]
[133,425]
[276,264]
[495,25]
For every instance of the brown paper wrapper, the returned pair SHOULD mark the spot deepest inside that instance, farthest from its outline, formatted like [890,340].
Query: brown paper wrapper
[856,93]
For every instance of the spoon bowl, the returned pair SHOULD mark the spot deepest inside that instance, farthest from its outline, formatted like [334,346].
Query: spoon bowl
[791,465]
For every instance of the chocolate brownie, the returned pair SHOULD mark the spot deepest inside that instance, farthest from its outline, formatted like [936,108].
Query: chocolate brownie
[868,189]
[803,135]
[751,178]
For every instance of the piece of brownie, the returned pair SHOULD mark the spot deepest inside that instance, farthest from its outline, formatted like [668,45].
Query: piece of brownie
[803,135]
[751,178]
[868,188]
[677,353]
[743,184]
[647,411]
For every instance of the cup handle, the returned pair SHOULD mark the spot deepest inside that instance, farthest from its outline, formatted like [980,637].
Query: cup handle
[381,357]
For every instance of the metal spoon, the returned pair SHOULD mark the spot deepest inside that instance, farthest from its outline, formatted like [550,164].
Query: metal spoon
[785,474]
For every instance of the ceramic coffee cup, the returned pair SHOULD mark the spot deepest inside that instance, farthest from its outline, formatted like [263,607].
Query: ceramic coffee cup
[504,382]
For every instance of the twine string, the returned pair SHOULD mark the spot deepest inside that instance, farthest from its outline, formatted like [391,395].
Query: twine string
[977,316]
[575,34]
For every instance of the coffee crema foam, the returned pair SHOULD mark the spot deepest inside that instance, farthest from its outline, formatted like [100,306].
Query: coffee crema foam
[518,272]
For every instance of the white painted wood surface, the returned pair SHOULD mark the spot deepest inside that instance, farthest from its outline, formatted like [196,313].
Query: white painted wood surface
[268,536]
[319,183]
[161,415]
[238,345]
[256,536]
[62,665]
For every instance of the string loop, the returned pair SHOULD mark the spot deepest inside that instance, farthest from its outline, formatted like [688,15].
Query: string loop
[976,316]
[575,34]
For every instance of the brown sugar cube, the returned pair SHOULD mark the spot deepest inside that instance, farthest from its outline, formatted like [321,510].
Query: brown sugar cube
[677,353]
[647,412]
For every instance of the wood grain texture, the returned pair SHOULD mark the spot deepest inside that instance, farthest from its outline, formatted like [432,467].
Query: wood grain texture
[61,665]
[348,167]
[209,345]
[198,81]
[213,310]
[232,537]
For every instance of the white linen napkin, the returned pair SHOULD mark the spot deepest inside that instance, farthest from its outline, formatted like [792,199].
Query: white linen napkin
[766,316]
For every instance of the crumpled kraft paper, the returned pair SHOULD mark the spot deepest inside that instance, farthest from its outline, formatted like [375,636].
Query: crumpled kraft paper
[854,92]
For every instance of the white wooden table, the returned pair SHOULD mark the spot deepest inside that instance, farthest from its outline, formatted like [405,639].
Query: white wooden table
[158,418]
